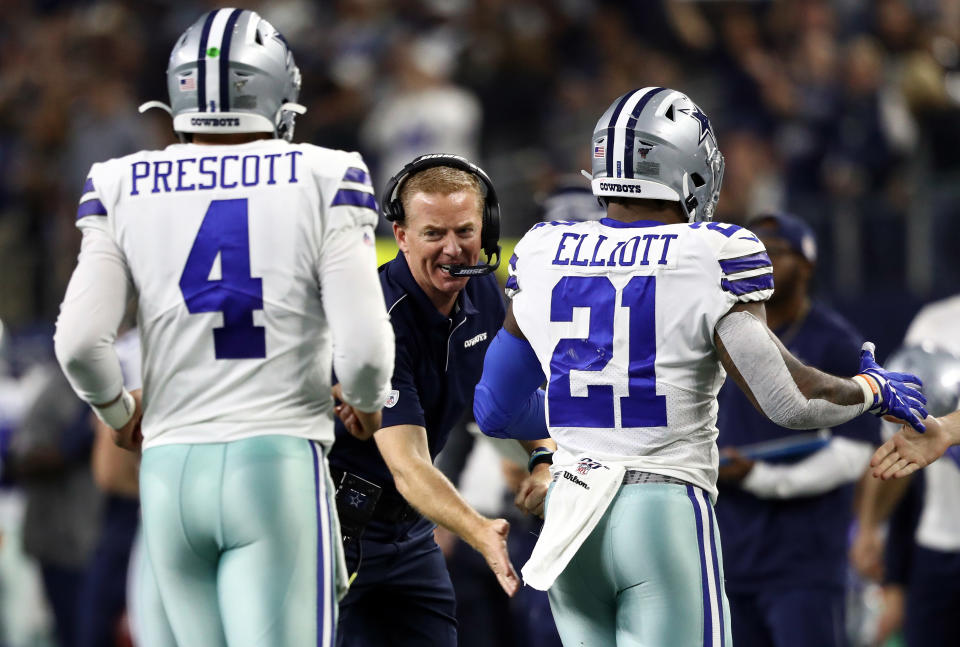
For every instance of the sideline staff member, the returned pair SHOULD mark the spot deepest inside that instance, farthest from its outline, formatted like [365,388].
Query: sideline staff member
[445,309]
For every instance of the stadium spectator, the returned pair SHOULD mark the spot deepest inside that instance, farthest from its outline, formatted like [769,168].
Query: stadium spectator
[673,300]
[254,270]
[444,308]
[784,521]
[423,111]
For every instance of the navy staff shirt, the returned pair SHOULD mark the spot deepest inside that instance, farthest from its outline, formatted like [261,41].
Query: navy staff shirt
[439,360]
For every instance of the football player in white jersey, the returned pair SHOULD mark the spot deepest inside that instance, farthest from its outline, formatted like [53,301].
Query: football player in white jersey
[632,320]
[253,264]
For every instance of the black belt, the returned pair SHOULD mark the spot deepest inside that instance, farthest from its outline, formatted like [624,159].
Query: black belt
[390,506]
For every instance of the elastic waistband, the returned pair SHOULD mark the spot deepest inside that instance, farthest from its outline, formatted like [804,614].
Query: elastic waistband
[636,477]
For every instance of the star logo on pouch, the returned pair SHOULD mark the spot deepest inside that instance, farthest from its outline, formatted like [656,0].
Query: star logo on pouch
[356,499]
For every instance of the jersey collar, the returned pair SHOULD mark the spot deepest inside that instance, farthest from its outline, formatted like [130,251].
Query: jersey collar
[619,224]
[400,272]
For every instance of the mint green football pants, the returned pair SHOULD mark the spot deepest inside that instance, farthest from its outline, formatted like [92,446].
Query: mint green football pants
[239,537]
[649,575]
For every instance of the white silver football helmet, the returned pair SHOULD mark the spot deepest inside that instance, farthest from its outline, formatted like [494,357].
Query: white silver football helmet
[232,72]
[939,370]
[656,144]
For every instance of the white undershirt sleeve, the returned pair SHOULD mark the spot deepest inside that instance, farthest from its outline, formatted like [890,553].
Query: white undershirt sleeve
[841,461]
[90,314]
[363,342]
[759,361]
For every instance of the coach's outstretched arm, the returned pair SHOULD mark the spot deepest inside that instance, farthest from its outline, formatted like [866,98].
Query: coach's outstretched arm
[797,396]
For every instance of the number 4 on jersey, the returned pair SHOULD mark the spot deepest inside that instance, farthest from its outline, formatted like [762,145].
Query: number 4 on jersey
[225,232]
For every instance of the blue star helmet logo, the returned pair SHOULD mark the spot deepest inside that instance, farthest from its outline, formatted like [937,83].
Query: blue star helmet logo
[701,118]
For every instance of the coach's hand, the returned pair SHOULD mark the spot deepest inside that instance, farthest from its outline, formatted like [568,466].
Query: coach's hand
[492,544]
[360,424]
[896,394]
[129,436]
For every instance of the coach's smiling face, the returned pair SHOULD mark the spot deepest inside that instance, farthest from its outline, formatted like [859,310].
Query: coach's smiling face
[440,230]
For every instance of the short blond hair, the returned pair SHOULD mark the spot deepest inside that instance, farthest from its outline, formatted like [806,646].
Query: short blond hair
[443,180]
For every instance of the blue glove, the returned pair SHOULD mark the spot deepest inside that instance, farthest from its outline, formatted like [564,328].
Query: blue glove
[896,394]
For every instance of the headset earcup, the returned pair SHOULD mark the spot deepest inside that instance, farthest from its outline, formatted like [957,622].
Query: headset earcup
[490,235]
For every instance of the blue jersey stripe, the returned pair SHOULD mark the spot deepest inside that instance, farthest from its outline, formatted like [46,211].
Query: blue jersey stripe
[513,262]
[745,286]
[88,185]
[354,198]
[631,124]
[512,284]
[225,60]
[744,263]
[91,208]
[355,174]
[611,129]
[202,62]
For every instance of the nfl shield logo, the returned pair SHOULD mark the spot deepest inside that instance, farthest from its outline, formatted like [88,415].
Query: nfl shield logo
[392,399]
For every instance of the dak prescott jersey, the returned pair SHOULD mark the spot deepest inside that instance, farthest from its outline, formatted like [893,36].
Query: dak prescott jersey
[622,317]
[223,245]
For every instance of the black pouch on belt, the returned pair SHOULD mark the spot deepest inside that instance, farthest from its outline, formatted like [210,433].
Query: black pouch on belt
[356,501]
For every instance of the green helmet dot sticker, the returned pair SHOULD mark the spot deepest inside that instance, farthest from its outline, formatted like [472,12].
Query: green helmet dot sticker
[213,52]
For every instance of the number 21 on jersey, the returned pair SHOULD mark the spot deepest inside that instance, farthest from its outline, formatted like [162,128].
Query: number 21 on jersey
[225,232]
[641,407]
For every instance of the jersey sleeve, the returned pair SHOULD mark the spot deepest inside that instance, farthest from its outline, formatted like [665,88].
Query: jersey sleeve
[92,204]
[363,340]
[353,203]
[513,285]
[746,273]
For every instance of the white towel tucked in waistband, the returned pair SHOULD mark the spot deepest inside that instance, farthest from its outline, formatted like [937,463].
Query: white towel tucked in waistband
[581,494]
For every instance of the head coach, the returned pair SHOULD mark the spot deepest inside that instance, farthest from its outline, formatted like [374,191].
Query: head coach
[445,308]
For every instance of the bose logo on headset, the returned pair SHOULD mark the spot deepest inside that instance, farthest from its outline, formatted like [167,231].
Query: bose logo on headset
[392,207]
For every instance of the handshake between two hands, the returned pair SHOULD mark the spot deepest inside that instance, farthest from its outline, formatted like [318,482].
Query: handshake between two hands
[922,438]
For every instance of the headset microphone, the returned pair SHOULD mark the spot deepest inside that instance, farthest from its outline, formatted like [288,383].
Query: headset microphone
[474,270]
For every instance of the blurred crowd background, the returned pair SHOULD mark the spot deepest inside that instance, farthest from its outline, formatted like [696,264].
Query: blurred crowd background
[844,112]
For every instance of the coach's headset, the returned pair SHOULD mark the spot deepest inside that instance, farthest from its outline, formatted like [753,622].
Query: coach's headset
[392,207]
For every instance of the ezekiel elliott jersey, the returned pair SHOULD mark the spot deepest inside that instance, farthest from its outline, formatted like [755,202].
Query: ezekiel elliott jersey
[622,317]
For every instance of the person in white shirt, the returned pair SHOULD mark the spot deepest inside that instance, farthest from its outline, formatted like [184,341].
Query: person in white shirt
[253,265]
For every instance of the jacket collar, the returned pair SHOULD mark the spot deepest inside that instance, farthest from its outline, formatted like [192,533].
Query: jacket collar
[399,271]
